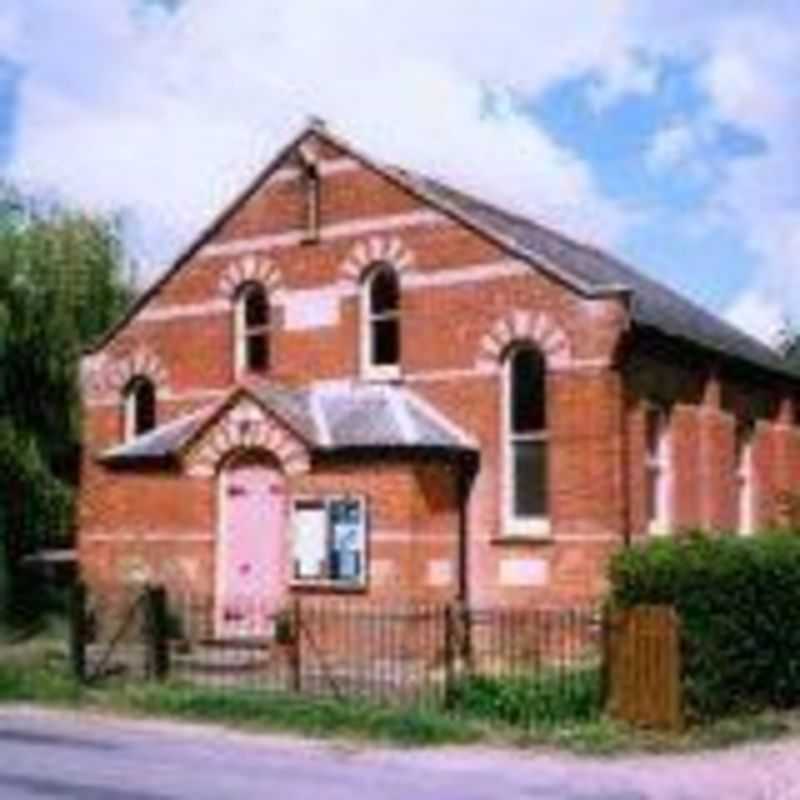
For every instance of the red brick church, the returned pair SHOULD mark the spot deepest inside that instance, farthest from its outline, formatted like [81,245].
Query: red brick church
[360,380]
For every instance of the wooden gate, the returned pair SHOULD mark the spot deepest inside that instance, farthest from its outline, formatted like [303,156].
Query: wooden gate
[644,667]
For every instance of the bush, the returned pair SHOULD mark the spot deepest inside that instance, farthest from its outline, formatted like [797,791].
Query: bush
[739,604]
[546,698]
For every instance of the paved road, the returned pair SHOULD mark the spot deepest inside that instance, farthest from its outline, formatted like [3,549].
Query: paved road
[46,755]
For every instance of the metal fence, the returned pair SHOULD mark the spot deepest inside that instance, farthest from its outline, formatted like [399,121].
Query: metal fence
[399,653]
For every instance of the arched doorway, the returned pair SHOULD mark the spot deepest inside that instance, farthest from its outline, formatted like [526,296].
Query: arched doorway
[251,547]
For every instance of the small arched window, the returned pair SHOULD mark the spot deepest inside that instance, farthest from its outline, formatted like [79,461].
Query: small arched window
[252,329]
[381,316]
[526,442]
[139,407]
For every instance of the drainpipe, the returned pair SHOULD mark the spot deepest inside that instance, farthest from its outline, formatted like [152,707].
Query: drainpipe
[620,359]
[466,468]
[625,462]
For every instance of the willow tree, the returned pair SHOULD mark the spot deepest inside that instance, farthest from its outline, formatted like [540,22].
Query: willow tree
[62,283]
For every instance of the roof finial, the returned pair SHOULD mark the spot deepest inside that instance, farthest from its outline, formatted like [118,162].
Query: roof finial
[317,123]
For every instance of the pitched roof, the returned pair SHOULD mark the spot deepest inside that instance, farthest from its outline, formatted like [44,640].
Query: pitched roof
[328,418]
[585,268]
[162,442]
[653,305]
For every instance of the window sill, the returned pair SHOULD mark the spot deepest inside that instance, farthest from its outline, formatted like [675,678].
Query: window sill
[540,537]
[536,530]
[324,587]
[393,375]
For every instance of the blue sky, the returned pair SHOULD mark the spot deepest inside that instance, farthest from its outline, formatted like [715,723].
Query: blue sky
[664,132]
[711,265]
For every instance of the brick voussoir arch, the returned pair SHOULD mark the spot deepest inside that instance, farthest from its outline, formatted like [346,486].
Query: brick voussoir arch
[376,249]
[249,269]
[521,325]
[246,429]
[142,361]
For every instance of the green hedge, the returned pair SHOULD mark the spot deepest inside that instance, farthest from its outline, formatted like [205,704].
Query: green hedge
[739,603]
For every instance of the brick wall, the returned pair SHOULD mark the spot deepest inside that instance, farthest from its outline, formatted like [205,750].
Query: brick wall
[464,299]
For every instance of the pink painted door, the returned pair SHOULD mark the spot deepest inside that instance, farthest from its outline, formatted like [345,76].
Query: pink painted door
[252,558]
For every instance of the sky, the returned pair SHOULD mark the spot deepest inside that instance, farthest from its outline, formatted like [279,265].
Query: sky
[664,131]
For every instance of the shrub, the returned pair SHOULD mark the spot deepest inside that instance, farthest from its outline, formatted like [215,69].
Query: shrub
[739,604]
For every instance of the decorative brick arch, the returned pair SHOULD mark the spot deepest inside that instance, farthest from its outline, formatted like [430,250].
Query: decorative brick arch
[384,249]
[518,325]
[117,373]
[249,269]
[247,427]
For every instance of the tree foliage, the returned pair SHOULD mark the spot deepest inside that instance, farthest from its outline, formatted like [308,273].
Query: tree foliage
[61,285]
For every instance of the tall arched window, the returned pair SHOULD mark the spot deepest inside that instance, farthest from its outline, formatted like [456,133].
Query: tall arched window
[380,307]
[526,443]
[252,329]
[139,401]
[658,470]
[744,478]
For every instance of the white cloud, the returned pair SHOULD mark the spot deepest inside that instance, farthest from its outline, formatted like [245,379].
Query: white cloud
[168,115]
[672,146]
[9,31]
[623,77]
[747,63]
[687,146]
[758,313]
[753,79]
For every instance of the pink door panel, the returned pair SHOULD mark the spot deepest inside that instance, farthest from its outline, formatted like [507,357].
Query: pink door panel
[252,556]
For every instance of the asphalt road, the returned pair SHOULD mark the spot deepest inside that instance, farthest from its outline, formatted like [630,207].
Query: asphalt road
[47,755]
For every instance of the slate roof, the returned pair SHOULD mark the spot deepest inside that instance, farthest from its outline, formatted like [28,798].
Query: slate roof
[162,442]
[653,305]
[328,418]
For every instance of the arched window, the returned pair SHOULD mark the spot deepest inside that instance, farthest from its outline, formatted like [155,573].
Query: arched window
[252,329]
[381,323]
[139,407]
[658,470]
[526,443]
[744,478]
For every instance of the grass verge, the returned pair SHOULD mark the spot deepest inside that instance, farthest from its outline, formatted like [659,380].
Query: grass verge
[481,717]
[250,710]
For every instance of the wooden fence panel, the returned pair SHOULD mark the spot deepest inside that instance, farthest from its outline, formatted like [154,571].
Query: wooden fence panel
[644,667]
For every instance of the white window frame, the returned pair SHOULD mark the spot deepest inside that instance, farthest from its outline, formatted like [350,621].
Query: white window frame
[533,527]
[130,407]
[325,502]
[242,332]
[660,462]
[745,481]
[369,369]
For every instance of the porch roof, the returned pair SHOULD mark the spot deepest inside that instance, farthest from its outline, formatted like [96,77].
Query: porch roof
[328,417]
